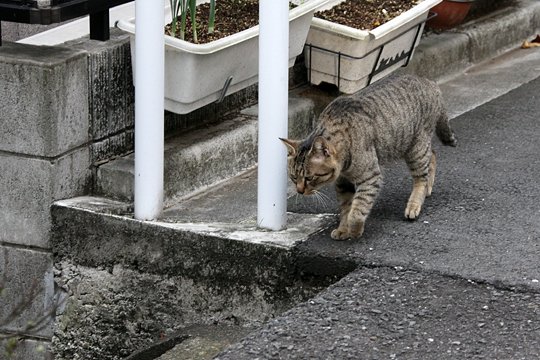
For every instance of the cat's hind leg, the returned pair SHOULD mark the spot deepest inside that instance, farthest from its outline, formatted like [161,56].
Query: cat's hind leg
[419,161]
[345,192]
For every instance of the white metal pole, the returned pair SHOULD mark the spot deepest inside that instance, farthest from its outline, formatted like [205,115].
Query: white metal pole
[273,113]
[149,105]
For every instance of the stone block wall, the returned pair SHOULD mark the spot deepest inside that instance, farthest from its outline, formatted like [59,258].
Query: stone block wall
[63,110]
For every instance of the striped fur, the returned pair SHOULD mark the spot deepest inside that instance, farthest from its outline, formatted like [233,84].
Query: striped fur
[392,119]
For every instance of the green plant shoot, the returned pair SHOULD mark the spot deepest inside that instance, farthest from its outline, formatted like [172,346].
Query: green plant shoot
[175,5]
[183,20]
[212,16]
[192,13]
[179,11]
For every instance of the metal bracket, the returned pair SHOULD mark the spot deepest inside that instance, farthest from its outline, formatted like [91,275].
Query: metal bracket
[224,89]
[377,67]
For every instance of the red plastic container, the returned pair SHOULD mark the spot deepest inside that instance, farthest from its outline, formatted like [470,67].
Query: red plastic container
[450,13]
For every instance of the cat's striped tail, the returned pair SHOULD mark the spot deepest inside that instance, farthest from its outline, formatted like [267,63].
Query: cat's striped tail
[444,132]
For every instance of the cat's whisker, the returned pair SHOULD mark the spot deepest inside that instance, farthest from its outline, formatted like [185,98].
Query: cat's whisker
[325,196]
[322,198]
[322,195]
[317,197]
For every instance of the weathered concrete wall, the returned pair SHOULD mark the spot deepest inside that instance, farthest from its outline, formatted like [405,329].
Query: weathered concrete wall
[62,109]
[113,312]
[111,105]
[43,157]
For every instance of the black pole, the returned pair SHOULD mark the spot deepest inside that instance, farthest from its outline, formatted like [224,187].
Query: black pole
[99,25]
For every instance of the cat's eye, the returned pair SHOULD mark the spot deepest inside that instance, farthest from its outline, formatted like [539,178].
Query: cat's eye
[309,178]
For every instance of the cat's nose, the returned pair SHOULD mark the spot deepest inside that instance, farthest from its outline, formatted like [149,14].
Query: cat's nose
[300,188]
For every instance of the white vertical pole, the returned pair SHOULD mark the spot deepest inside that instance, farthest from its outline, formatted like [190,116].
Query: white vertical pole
[149,105]
[273,113]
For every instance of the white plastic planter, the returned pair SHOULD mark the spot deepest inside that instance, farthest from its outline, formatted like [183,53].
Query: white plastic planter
[353,58]
[196,74]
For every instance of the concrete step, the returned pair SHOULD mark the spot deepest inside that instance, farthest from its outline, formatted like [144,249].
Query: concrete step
[170,275]
[202,157]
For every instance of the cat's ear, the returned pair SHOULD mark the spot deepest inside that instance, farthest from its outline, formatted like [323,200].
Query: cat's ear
[292,146]
[322,147]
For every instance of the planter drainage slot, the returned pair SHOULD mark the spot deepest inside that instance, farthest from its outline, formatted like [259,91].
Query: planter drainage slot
[380,65]
[55,11]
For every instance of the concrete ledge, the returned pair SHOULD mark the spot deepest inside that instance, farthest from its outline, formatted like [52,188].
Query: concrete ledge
[442,56]
[505,29]
[199,159]
[301,116]
[203,157]
[98,232]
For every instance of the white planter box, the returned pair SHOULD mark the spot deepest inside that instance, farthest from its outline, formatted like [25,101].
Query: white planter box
[366,56]
[195,74]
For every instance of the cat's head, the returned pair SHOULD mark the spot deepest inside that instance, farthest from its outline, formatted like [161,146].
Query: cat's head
[312,163]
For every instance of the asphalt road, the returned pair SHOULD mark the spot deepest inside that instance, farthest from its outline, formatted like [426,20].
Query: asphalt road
[462,282]
[482,221]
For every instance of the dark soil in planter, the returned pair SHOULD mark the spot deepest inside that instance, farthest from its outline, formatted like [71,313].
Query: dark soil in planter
[233,16]
[366,14]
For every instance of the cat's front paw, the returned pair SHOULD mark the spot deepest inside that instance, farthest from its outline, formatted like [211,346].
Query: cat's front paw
[356,229]
[340,234]
[351,232]
[412,212]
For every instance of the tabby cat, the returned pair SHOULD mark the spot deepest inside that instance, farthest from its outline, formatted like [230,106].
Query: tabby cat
[391,119]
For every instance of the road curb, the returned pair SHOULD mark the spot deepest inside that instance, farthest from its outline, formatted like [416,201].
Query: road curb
[441,56]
